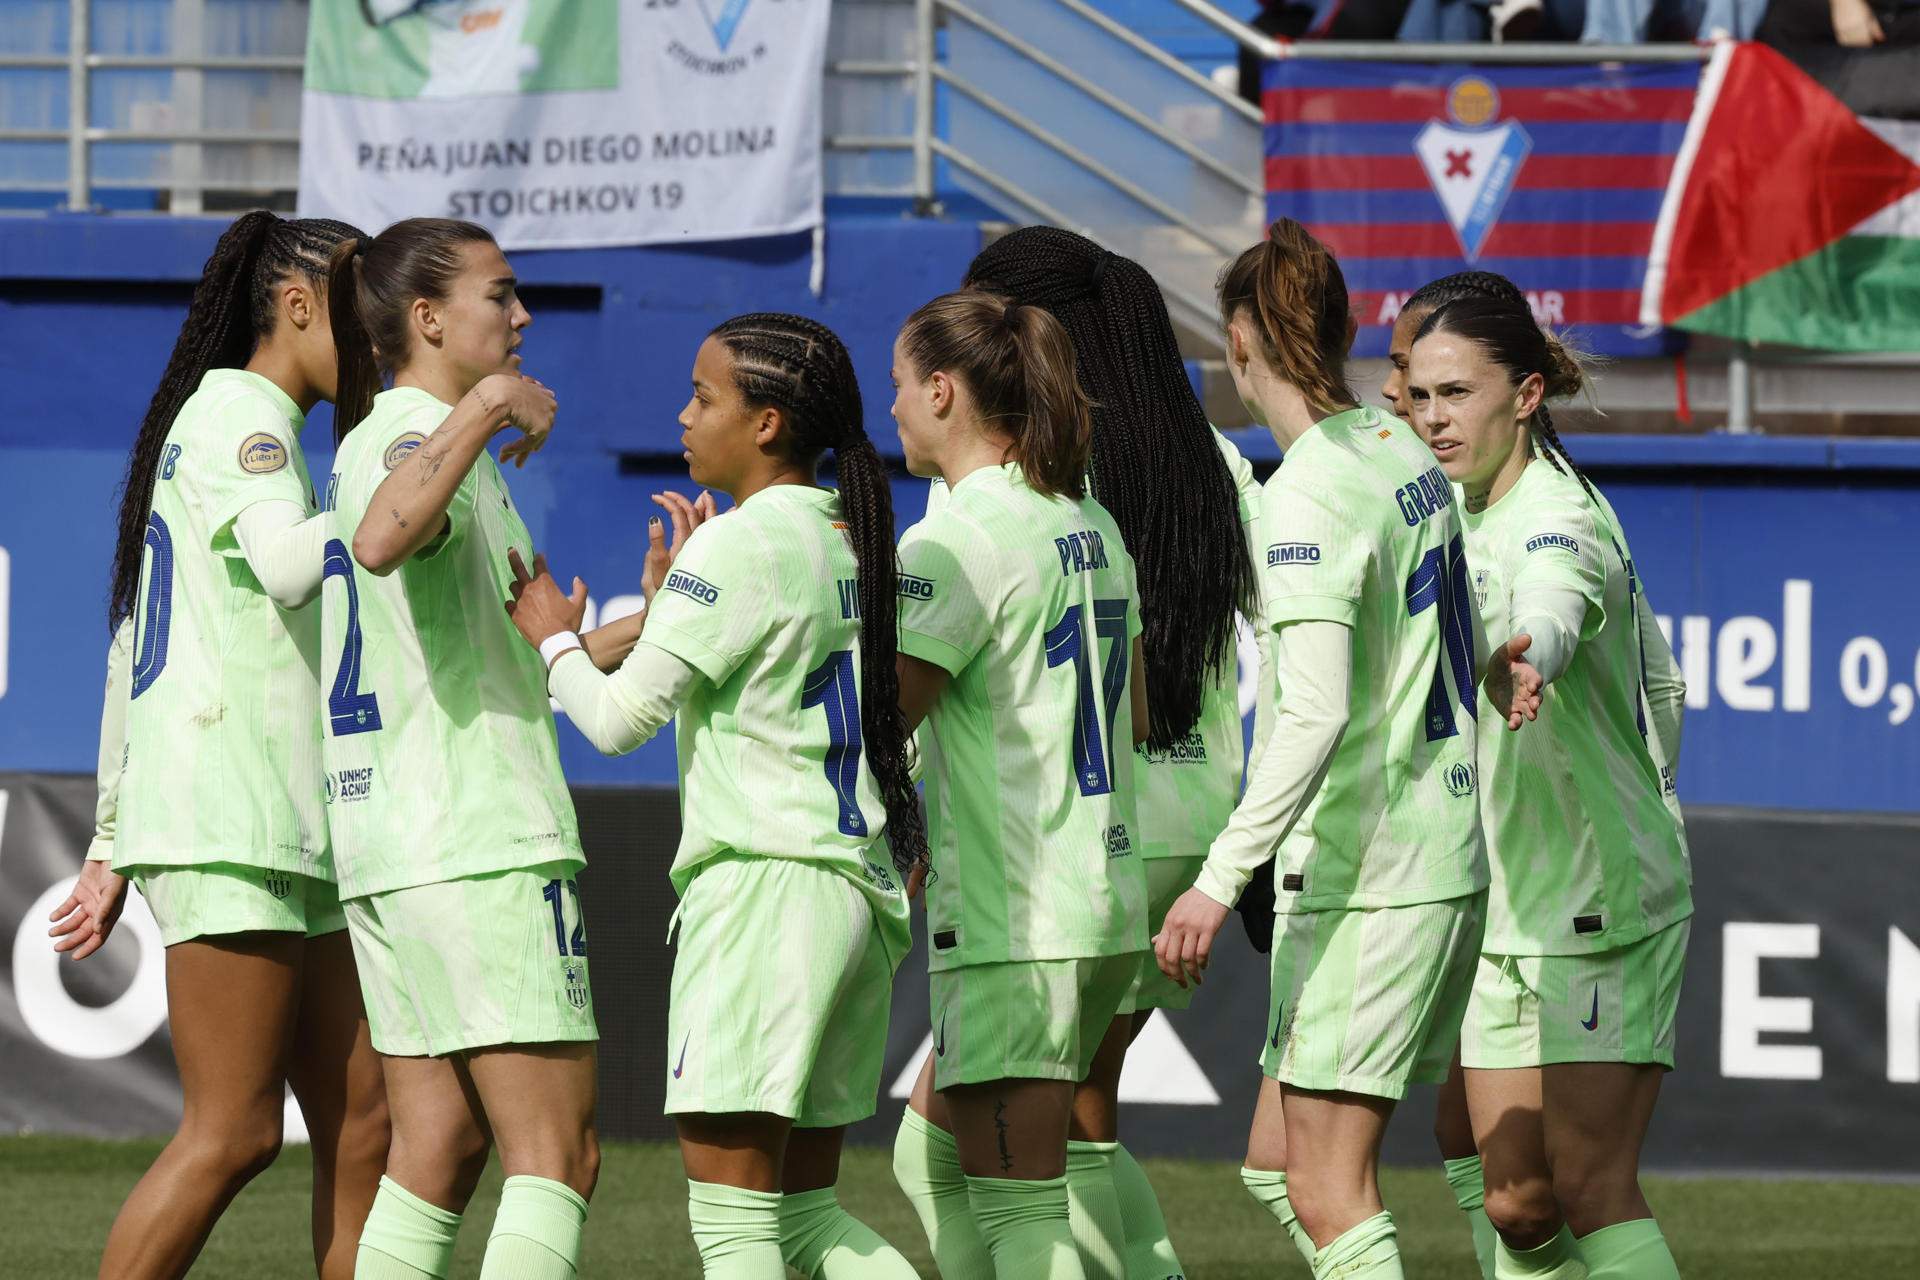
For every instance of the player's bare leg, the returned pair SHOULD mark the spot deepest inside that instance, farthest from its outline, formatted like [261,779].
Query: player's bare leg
[438,1151]
[818,1237]
[232,1001]
[539,1101]
[1333,1175]
[734,1164]
[1012,1142]
[1508,1126]
[1597,1114]
[1093,1135]
[336,1078]
[1264,1173]
[1453,1134]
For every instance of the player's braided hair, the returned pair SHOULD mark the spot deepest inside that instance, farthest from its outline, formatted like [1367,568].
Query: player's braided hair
[1155,464]
[1462,284]
[1504,327]
[231,312]
[1292,287]
[374,281]
[801,368]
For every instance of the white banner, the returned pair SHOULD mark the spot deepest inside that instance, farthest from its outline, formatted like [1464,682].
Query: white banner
[566,123]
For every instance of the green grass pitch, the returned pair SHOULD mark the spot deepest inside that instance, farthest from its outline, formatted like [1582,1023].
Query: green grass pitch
[60,1194]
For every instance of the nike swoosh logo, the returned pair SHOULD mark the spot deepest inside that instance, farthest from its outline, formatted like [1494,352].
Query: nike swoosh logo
[681,1065]
[1593,1019]
[940,1046]
[1275,1041]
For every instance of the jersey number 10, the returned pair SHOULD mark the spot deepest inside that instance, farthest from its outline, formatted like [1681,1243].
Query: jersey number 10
[1066,642]
[1440,579]
[831,687]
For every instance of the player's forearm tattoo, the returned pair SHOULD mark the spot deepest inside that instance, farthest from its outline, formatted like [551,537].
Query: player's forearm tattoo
[431,460]
[1000,1124]
[397,517]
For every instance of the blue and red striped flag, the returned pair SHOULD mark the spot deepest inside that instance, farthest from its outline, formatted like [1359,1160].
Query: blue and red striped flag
[1551,176]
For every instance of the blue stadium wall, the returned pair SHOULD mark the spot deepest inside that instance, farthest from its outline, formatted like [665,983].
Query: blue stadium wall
[1789,571]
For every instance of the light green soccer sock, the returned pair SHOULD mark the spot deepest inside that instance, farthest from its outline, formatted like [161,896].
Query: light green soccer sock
[1093,1210]
[1270,1189]
[737,1232]
[405,1238]
[1026,1226]
[1150,1254]
[1628,1251]
[822,1241]
[926,1164]
[1557,1259]
[536,1231]
[1468,1181]
[1369,1251]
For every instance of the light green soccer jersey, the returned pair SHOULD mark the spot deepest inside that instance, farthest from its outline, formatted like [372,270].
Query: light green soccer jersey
[1361,529]
[1030,602]
[441,756]
[764,602]
[223,747]
[1586,855]
[1187,793]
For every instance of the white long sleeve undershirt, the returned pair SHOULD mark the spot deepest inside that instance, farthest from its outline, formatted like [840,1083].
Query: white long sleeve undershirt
[113,743]
[619,712]
[1553,615]
[1312,667]
[285,548]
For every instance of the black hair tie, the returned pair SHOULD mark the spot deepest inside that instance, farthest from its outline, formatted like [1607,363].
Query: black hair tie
[1099,270]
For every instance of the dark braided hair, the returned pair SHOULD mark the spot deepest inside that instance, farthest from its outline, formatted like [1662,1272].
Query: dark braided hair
[1505,329]
[1155,464]
[1463,284]
[231,313]
[801,368]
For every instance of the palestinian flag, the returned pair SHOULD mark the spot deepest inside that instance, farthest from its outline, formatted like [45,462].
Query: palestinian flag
[1788,219]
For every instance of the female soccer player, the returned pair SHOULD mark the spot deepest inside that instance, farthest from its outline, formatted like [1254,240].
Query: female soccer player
[1452,1129]
[1571,1023]
[770,635]
[1019,620]
[1366,787]
[1169,481]
[453,832]
[218,813]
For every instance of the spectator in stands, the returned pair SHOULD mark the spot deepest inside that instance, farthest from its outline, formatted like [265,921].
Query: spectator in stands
[1626,21]
[1854,24]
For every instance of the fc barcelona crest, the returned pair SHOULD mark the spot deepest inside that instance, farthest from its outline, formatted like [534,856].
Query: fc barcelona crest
[577,986]
[1472,162]
[279,884]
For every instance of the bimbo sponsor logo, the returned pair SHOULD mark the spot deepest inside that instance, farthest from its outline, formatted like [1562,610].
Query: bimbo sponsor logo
[693,588]
[1293,553]
[1558,540]
[916,588]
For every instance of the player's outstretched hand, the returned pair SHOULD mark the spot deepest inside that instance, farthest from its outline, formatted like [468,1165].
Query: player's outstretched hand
[537,608]
[1184,944]
[1513,684]
[83,922]
[661,552]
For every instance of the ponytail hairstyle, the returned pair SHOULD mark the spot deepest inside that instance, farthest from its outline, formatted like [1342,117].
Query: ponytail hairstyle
[231,312]
[801,368]
[374,281]
[1293,288]
[1155,466]
[1505,329]
[1018,364]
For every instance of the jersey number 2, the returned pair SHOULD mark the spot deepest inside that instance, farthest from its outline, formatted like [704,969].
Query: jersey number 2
[1066,642]
[1440,580]
[831,687]
[348,709]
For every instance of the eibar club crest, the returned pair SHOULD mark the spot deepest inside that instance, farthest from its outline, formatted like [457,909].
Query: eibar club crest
[724,17]
[1472,162]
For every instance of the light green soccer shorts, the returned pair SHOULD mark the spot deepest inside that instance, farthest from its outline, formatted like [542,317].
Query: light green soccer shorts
[226,897]
[781,988]
[1368,1001]
[1167,879]
[484,960]
[1609,1006]
[1025,1019]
